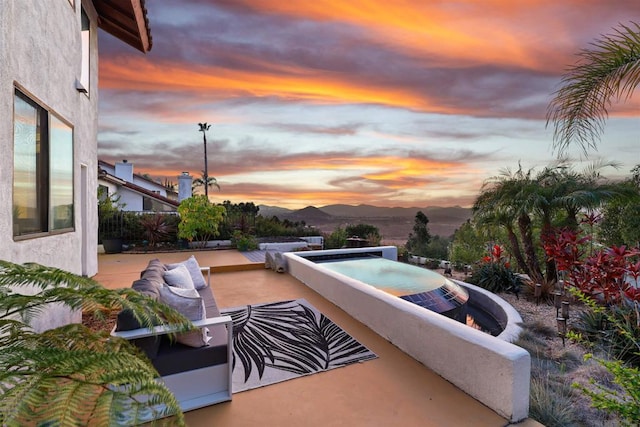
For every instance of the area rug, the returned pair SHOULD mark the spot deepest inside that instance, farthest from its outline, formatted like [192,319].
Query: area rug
[283,340]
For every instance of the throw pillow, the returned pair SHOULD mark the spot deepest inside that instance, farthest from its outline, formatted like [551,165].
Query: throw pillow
[189,303]
[194,270]
[179,277]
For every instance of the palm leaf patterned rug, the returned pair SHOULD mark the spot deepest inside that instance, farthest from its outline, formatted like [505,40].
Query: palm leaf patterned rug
[279,341]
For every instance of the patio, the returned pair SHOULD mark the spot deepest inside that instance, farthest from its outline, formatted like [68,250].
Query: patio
[394,389]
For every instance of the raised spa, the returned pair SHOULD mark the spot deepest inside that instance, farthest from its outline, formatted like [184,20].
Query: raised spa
[417,285]
[446,346]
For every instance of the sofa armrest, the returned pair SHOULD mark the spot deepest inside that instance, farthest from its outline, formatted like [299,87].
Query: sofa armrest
[208,271]
[167,329]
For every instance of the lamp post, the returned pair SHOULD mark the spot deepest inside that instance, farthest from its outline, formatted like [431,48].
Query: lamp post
[204,127]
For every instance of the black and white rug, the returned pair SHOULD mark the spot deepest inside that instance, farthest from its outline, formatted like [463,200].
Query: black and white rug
[279,341]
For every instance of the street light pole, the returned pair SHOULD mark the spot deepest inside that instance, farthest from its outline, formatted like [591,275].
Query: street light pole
[204,127]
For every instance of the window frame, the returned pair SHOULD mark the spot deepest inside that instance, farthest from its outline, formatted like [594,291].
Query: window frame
[84,81]
[44,169]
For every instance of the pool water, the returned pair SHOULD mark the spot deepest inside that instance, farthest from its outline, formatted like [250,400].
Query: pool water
[420,286]
[417,285]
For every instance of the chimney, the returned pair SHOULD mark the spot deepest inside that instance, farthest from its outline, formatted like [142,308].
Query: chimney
[124,170]
[184,186]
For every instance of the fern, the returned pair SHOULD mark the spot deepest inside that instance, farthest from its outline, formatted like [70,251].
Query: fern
[70,375]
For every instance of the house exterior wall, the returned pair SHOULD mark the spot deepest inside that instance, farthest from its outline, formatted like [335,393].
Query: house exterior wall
[130,176]
[40,54]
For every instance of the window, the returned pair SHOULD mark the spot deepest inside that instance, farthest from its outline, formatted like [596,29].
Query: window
[86,40]
[42,170]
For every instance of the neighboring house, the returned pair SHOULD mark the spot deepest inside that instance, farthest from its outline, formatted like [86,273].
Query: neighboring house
[135,192]
[48,128]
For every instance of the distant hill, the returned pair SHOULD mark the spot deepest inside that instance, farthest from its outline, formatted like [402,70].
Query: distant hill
[269,211]
[376,211]
[394,224]
[309,214]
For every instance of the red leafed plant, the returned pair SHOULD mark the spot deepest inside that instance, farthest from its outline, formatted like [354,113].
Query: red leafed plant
[496,256]
[601,275]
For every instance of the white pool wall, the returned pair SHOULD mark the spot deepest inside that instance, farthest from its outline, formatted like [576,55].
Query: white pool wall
[493,371]
[501,310]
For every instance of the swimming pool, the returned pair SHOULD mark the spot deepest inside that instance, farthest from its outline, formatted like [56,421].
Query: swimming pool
[420,286]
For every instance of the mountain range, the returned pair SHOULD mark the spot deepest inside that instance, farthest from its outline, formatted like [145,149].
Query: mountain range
[394,223]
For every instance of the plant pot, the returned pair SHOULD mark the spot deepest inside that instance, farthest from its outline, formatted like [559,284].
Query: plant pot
[112,245]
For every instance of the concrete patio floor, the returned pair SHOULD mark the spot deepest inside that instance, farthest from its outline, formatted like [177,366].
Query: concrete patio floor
[393,389]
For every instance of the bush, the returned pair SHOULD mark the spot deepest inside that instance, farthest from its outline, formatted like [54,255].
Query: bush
[336,240]
[158,228]
[244,242]
[598,327]
[496,278]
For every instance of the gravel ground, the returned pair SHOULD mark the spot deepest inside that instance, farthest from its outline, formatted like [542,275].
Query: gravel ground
[555,362]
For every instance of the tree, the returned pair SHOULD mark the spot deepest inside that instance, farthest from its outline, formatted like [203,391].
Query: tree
[438,248]
[205,179]
[199,219]
[620,223]
[72,375]
[525,201]
[336,240]
[502,202]
[364,231]
[204,127]
[468,246]
[610,69]
[420,237]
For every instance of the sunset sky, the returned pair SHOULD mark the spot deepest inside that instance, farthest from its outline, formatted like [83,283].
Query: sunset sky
[407,103]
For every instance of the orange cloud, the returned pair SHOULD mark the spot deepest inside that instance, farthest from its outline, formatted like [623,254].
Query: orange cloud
[137,74]
[460,32]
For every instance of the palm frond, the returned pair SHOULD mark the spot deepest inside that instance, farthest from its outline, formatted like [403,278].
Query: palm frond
[70,375]
[609,70]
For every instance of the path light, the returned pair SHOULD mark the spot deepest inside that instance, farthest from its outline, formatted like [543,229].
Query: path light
[537,292]
[565,309]
[557,301]
[562,328]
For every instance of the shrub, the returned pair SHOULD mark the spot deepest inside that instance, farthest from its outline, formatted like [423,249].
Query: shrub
[244,242]
[494,274]
[156,228]
[336,240]
[364,231]
[496,277]
[626,405]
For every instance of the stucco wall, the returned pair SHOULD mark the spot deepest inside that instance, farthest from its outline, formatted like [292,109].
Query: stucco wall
[40,50]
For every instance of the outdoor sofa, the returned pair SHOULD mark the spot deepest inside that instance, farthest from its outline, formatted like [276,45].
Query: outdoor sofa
[198,375]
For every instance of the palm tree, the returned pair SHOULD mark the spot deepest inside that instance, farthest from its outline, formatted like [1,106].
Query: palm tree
[72,375]
[209,180]
[502,201]
[524,200]
[204,127]
[610,69]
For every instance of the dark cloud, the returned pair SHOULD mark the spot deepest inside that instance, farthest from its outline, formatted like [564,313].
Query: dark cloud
[345,129]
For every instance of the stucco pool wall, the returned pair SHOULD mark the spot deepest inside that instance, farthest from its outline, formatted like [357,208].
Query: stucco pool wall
[493,371]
